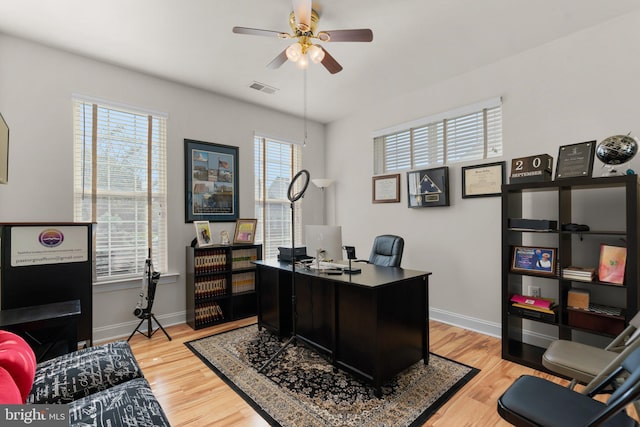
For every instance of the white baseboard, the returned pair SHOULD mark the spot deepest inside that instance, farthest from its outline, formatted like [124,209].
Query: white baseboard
[123,330]
[488,328]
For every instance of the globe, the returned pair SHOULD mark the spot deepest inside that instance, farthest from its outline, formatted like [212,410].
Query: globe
[617,149]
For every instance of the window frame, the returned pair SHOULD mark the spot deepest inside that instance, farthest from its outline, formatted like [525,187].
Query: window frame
[147,202]
[426,142]
[270,238]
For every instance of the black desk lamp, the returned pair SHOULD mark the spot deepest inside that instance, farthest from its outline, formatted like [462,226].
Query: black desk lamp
[351,254]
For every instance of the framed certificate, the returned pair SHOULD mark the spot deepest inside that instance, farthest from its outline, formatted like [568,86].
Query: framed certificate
[386,189]
[483,180]
[575,160]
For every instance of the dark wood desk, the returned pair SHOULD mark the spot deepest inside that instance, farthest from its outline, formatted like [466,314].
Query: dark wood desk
[45,327]
[373,324]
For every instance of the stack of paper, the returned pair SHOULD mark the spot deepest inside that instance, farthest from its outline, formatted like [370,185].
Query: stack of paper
[586,274]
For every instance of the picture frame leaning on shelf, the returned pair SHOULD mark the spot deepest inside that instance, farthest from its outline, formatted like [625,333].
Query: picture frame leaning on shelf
[203,233]
[534,260]
[245,231]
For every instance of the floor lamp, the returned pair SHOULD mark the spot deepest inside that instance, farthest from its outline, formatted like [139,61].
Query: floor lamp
[322,183]
[303,175]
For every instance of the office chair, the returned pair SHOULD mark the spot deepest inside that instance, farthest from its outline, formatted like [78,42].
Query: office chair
[386,251]
[589,365]
[534,401]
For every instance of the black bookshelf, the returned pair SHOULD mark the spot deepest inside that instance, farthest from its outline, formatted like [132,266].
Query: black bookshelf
[518,198]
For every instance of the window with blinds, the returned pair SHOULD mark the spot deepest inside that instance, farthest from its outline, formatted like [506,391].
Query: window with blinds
[276,163]
[469,133]
[120,184]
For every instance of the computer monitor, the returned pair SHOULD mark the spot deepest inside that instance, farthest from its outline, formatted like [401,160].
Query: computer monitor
[325,237]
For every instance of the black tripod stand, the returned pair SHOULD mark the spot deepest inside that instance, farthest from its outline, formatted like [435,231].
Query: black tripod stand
[143,314]
[292,198]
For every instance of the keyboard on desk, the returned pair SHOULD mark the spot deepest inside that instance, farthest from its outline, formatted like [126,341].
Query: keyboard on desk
[325,265]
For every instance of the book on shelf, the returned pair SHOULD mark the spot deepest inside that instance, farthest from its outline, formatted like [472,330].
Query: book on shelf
[605,309]
[534,308]
[587,274]
[528,302]
[612,264]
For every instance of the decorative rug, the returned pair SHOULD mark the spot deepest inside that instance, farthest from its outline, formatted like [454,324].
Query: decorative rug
[301,387]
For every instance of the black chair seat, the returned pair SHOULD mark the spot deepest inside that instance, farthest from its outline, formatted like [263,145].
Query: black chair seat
[533,401]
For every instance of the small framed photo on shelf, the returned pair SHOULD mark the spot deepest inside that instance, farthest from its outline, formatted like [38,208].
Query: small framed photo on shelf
[575,160]
[203,233]
[428,187]
[534,260]
[245,231]
[483,180]
[386,189]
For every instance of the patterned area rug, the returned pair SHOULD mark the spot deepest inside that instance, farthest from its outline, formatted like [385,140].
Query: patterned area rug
[300,387]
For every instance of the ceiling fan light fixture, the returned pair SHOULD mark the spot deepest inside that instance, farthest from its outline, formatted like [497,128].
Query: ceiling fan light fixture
[303,62]
[316,54]
[294,52]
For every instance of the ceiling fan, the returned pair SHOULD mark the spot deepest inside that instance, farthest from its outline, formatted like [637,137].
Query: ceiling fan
[303,21]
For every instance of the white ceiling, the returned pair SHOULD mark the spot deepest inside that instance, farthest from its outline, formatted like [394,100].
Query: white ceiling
[416,43]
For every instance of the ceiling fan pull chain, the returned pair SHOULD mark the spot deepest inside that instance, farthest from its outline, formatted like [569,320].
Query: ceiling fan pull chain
[304,142]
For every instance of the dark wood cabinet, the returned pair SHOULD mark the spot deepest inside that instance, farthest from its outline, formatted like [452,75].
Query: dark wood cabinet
[46,263]
[610,206]
[220,283]
[274,301]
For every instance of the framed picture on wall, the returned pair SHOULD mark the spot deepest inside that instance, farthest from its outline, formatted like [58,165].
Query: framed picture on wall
[386,189]
[483,180]
[211,181]
[428,187]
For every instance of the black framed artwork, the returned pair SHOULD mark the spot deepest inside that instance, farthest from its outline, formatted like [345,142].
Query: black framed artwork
[428,187]
[211,181]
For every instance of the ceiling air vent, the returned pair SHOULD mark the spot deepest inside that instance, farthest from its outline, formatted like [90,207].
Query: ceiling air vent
[263,87]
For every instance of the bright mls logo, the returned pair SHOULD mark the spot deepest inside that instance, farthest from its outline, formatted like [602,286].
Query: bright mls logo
[51,238]
[34,415]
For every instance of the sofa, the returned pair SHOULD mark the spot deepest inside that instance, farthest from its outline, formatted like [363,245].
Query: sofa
[101,385]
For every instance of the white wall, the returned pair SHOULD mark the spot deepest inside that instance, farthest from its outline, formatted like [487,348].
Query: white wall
[579,88]
[36,87]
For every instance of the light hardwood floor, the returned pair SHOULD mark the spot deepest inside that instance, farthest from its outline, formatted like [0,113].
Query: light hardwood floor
[192,395]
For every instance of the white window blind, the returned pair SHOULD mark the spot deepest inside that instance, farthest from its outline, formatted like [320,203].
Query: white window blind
[469,133]
[120,184]
[276,163]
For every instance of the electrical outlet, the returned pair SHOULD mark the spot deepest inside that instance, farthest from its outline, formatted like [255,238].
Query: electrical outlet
[534,291]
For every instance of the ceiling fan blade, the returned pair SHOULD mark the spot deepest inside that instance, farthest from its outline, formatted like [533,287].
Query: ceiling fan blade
[302,12]
[330,63]
[360,35]
[278,60]
[258,32]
